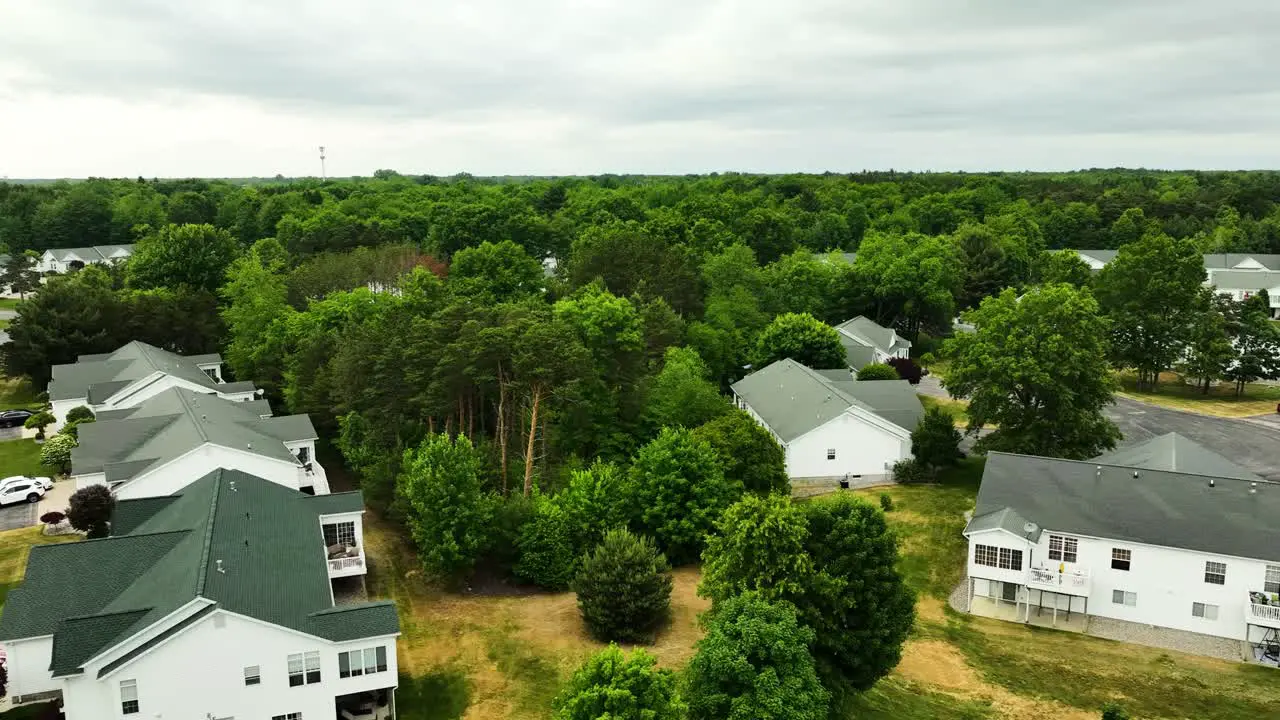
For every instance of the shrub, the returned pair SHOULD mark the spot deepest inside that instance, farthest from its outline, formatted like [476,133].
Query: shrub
[754,662]
[56,453]
[911,471]
[624,588]
[613,685]
[936,442]
[510,515]
[90,509]
[39,421]
[547,557]
[886,502]
[53,517]
[907,369]
[878,371]
[79,412]
[748,453]
[72,428]
[1112,711]
[449,517]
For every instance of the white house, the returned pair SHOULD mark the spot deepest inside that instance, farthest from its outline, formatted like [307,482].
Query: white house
[830,425]
[60,260]
[157,447]
[866,341]
[216,602]
[1165,533]
[1236,275]
[132,374]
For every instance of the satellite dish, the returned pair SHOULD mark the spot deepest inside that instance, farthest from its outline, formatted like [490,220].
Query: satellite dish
[1030,528]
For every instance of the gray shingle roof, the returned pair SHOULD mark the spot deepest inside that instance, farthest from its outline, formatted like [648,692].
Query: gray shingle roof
[1158,507]
[96,253]
[793,399]
[856,354]
[869,331]
[94,594]
[1005,519]
[1246,279]
[1102,256]
[130,363]
[176,421]
[1175,453]
[1225,261]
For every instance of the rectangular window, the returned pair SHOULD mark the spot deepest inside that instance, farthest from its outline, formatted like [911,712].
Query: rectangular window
[343,532]
[290,716]
[986,555]
[1215,573]
[1204,610]
[1120,597]
[1010,559]
[252,675]
[831,453]
[313,667]
[362,662]
[1120,559]
[1271,583]
[295,670]
[129,696]
[1063,549]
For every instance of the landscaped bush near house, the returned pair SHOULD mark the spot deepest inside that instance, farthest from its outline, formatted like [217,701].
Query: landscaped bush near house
[935,442]
[911,470]
[611,684]
[907,369]
[39,421]
[78,413]
[90,509]
[624,588]
[878,371]
[56,452]
[53,517]
[547,556]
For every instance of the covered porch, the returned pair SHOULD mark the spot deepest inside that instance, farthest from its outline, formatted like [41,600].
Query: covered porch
[377,704]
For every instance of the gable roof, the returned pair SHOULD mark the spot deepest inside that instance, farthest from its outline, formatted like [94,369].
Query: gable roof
[94,253]
[1175,453]
[1102,256]
[98,377]
[92,595]
[1246,279]
[1225,261]
[1208,513]
[793,399]
[123,443]
[1006,519]
[872,333]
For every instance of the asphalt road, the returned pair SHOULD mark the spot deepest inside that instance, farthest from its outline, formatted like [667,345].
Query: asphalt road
[1252,445]
[18,515]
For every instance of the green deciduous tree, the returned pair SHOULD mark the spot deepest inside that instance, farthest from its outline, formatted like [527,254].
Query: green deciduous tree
[56,451]
[1257,345]
[1063,266]
[677,491]
[748,453]
[624,588]
[936,442]
[1149,294]
[547,556]
[495,272]
[613,686]
[754,664]
[20,274]
[681,395]
[90,509]
[1209,349]
[594,502]
[910,281]
[255,298]
[1037,368]
[802,338]
[71,316]
[447,513]
[759,544]
[196,256]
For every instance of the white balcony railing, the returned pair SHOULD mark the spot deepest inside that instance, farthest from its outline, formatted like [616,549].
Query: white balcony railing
[1071,582]
[346,564]
[1256,613]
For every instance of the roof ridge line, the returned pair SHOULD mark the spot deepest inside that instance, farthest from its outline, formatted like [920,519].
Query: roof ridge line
[191,413]
[1132,467]
[107,614]
[203,572]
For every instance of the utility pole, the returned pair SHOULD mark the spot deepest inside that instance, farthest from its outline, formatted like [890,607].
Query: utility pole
[322,176]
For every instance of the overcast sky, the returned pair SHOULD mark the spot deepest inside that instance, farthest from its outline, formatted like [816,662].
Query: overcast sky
[252,87]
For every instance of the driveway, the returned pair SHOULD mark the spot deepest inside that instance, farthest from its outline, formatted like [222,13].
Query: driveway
[18,515]
[1252,445]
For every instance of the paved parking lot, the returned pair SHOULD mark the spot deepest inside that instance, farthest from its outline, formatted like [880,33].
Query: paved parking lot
[19,515]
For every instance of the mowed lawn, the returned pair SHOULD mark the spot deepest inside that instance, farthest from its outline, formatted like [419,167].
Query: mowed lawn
[22,457]
[15,546]
[1221,400]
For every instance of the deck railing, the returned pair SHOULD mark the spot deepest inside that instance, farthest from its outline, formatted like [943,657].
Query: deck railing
[1074,582]
[1269,613]
[344,563]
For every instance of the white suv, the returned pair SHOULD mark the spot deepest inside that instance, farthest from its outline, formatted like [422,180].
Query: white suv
[21,488]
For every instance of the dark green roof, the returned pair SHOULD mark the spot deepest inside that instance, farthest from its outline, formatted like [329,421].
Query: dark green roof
[123,443]
[333,503]
[249,545]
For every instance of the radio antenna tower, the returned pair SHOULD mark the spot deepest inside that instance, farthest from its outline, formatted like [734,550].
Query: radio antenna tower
[322,176]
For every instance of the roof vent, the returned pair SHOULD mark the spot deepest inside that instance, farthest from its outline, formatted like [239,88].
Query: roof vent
[1253,488]
[1099,472]
[232,484]
[1212,482]
[1135,473]
[249,445]
[204,418]
[218,563]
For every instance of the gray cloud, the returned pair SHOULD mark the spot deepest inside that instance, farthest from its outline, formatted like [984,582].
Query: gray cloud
[837,72]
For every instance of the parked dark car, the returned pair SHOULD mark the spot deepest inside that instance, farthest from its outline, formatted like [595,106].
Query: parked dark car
[14,418]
